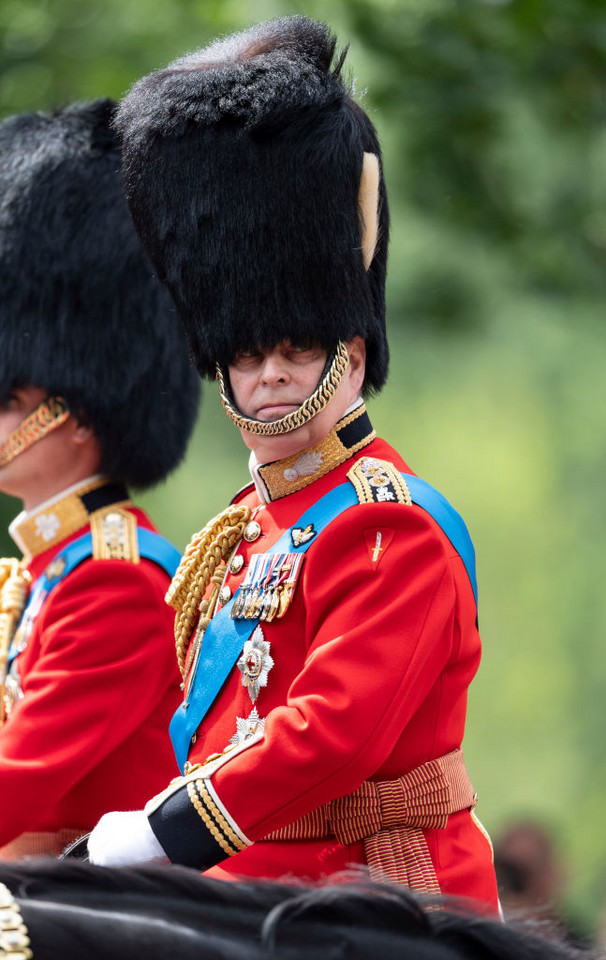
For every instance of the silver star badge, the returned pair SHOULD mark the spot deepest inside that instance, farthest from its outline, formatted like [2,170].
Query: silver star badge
[247,727]
[255,663]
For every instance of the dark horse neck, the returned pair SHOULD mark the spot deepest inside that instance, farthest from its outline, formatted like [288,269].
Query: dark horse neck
[74,911]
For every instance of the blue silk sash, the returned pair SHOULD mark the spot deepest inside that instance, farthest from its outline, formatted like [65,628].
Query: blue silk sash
[224,638]
[152,546]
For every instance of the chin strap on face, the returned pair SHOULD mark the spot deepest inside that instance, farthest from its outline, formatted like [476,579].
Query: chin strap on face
[46,417]
[320,398]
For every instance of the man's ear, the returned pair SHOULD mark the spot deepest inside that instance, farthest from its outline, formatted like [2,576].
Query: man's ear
[368,206]
[356,348]
[82,431]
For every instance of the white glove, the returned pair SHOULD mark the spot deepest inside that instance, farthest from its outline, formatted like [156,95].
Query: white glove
[121,839]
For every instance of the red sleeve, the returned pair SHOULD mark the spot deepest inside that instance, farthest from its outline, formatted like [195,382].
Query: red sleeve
[379,635]
[104,657]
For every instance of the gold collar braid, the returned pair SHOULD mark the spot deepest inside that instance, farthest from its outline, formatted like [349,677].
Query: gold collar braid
[310,408]
[203,555]
[14,938]
[47,416]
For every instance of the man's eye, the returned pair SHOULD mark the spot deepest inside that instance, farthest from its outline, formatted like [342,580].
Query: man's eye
[9,401]
[246,357]
[303,354]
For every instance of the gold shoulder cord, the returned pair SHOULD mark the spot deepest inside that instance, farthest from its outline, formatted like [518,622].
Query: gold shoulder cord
[200,564]
[14,939]
[14,584]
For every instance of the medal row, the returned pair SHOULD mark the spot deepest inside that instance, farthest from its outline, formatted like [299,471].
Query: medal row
[267,590]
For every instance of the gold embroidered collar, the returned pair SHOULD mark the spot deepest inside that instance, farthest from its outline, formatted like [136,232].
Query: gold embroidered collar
[57,518]
[282,477]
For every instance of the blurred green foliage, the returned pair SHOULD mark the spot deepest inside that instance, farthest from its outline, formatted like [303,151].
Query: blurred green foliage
[491,113]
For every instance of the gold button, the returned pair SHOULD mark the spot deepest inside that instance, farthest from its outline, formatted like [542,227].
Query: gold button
[236,563]
[186,768]
[252,531]
[224,595]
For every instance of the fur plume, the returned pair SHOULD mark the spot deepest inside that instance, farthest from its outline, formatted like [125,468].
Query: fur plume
[242,166]
[81,313]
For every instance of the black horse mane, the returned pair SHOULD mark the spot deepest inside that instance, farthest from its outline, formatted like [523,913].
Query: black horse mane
[74,910]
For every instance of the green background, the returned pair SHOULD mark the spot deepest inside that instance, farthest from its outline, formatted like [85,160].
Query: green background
[492,119]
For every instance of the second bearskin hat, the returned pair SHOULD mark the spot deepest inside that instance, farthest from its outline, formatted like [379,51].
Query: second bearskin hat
[243,164]
[81,313]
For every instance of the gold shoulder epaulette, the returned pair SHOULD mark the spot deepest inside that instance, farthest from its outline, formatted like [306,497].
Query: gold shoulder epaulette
[378,481]
[114,533]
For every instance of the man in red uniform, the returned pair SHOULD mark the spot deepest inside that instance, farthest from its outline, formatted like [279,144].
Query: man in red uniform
[96,393]
[326,621]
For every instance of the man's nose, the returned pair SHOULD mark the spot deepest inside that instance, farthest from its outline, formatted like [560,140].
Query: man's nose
[275,370]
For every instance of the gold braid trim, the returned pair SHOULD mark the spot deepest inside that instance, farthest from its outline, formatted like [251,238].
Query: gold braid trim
[378,481]
[14,940]
[319,399]
[205,552]
[47,416]
[208,821]
[218,817]
[14,586]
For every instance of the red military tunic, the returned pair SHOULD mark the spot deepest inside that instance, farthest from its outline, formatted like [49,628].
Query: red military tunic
[366,677]
[99,685]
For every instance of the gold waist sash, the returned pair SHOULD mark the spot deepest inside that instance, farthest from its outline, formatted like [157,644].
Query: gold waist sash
[389,817]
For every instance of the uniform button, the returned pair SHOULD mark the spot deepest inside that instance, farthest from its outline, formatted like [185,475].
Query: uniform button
[224,595]
[252,531]
[236,563]
[187,768]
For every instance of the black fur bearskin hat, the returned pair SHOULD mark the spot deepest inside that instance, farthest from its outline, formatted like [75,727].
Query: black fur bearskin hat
[81,313]
[242,166]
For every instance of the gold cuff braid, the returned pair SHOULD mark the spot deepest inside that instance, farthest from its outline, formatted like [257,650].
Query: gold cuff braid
[319,399]
[14,939]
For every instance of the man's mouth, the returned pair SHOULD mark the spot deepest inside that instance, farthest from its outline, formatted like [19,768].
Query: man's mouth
[275,411]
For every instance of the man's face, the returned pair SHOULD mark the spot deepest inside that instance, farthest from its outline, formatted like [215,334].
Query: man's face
[14,407]
[51,463]
[33,464]
[269,384]
[17,404]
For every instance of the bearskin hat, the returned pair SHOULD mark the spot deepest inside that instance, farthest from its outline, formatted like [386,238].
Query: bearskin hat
[81,313]
[242,166]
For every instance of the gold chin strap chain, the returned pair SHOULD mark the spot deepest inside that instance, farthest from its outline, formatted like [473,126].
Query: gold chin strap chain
[14,939]
[319,399]
[201,563]
[47,416]
[14,585]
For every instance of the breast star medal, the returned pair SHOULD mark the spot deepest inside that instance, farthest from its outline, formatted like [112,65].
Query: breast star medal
[255,663]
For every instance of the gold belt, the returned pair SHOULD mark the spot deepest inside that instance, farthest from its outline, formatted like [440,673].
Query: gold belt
[389,817]
[41,844]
